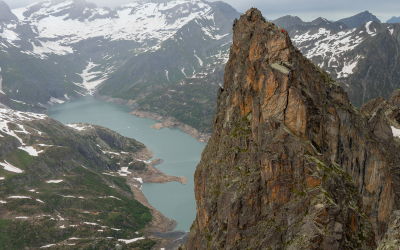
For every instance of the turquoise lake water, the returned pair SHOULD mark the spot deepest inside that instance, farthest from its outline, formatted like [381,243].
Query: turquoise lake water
[180,152]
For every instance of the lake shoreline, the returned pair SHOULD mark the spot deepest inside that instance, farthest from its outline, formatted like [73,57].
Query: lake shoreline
[180,154]
[166,121]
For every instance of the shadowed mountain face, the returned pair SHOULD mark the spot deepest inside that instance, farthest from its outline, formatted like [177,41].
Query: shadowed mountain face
[357,20]
[5,13]
[291,163]
[287,21]
[393,20]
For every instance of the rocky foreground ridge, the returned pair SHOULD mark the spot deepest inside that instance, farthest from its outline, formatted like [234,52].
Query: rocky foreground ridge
[292,164]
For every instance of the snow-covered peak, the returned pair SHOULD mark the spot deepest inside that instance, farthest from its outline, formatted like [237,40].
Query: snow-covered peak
[74,9]
[61,24]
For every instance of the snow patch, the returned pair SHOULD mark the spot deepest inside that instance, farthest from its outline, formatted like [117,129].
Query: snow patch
[123,171]
[31,150]
[79,127]
[88,78]
[132,240]
[372,33]
[348,68]
[12,116]
[47,246]
[183,71]
[90,223]
[16,100]
[54,100]
[68,196]
[139,180]
[391,30]
[166,74]
[7,166]
[54,181]
[395,131]
[198,58]
[110,197]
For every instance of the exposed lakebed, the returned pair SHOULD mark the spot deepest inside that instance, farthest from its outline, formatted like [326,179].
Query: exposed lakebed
[180,152]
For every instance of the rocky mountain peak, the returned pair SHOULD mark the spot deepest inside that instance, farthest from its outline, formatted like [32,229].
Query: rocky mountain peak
[5,13]
[320,20]
[291,162]
[393,20]
[287,21]
[357,20]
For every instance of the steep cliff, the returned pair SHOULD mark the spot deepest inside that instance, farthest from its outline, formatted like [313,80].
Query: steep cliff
[292,164]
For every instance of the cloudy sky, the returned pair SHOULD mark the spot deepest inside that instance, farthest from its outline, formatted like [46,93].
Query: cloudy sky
[307,10]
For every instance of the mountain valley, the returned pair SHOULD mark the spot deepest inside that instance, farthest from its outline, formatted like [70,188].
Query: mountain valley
[168,59]
[301,121]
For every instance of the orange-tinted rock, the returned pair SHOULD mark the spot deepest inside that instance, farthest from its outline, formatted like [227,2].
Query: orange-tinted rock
[291,164]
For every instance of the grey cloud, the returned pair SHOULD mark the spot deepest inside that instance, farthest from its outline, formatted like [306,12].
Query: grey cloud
[272,9]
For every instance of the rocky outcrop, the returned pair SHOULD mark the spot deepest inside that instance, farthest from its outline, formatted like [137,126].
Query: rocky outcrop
[291,163]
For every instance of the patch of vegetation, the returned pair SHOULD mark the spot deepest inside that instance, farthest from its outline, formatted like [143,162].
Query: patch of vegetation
[137,165]
[19,158]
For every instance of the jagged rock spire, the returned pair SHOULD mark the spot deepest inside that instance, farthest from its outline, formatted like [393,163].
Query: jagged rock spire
[291,164]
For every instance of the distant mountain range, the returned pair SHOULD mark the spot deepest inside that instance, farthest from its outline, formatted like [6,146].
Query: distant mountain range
[359,19]
[394,20]
[169,57]
[363,60]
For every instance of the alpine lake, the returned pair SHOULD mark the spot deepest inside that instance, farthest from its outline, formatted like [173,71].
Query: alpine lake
[180,152]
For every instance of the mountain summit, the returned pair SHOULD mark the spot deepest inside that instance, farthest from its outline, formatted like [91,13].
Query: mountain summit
[393,20]
[357,20]
[291,163]
[5,13]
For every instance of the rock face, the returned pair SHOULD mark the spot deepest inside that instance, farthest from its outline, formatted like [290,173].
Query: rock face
[291,163]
